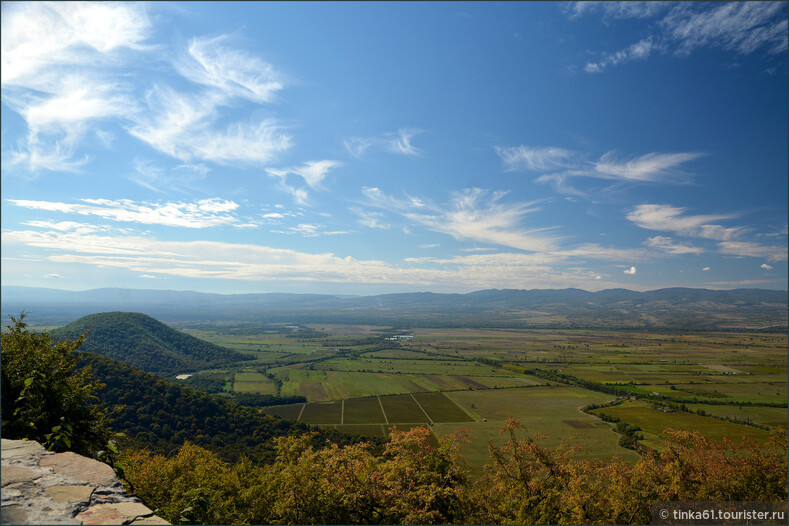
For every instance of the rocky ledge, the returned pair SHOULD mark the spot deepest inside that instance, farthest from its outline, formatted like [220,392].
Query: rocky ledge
[41,487]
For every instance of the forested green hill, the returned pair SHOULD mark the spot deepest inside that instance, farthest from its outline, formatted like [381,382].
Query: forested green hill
[161,415]
[143,342]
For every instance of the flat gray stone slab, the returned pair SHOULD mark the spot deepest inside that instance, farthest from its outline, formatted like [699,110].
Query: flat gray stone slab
[13,514]
[19,448]
[119,513]
[14,474]
[72,494]
[153,519]
[78,467]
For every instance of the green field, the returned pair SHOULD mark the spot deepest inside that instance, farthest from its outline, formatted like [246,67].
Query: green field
[655,422]
[363,411]
[403,409]
[359,380]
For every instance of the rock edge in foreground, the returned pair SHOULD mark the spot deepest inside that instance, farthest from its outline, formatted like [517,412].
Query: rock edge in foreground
[41,487]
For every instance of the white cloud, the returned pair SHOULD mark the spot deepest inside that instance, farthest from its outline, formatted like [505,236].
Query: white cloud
[534,159]
[370,219]
[765,266]
[705,269]
[51,55]
[751,249]
[53,276]
[309,230]
[233,72]
[200,214]
[627,9]
[147,276]
[666,244]
[630,271]
[38,35]
[313,172]
[740,27]
[470,214]
[652,167]
[399,143]
[638,51]
[181,126]
[673,219]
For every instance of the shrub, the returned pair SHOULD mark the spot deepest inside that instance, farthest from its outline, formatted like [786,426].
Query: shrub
[45,397]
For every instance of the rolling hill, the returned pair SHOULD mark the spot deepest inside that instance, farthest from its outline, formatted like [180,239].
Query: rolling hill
[161,415]
[143,342]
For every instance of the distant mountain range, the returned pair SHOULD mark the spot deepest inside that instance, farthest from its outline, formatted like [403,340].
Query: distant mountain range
[143,342]
[671,308]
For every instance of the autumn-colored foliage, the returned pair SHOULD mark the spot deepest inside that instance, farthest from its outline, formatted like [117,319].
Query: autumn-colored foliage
[415,481]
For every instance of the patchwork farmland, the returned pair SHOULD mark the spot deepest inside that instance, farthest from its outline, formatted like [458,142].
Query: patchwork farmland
[366,380]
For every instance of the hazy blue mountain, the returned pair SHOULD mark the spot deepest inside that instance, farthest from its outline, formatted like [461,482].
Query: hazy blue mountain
[663,308]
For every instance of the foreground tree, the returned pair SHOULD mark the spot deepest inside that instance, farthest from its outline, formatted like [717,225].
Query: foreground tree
[45,397]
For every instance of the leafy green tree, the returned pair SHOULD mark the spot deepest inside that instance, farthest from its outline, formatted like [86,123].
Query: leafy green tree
[45,397]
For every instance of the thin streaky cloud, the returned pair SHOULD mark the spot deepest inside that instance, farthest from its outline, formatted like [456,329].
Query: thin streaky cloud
[204,213]
[254,263]
[652,167]
[181,126]
[633,9]
[666,244]
[755,250]
[474,214]
[534,158]
[638,51]
[669,218]
[739,27]
[398,143]
[313,172]
[233,72]
[743,27]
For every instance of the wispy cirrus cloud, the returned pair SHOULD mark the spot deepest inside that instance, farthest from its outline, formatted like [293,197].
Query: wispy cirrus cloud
[742,27]
[66,71]
[310,230]
[739,27]
[183,126]
[255,263]
[231,71]
[204,213]
[634,9]
[651,167]
[666,244]
[398,143]
[654,167]
[669,218]
[638,51]
[51,58]
[534,158]
[474,214]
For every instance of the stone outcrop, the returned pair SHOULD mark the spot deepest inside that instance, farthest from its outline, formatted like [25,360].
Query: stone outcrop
[41,487]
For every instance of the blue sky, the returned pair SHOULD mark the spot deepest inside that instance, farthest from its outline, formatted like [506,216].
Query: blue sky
[364,148]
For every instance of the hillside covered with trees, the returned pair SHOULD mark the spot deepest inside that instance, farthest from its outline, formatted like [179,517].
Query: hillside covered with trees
[145,343]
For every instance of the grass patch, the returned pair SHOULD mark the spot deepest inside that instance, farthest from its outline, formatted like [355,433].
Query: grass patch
[322,413]
[363,411]
[440,408]
[402,408]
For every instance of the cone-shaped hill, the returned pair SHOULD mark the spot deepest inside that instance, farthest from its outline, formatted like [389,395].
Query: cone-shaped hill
[143,342]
